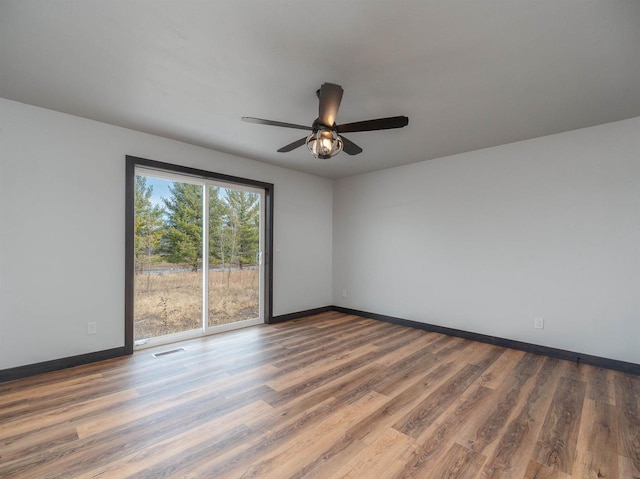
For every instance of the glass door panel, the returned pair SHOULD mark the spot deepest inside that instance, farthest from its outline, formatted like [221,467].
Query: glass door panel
[168,257]
[235,245]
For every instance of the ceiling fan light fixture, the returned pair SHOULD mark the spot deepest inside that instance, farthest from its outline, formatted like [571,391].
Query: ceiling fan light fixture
[324,143]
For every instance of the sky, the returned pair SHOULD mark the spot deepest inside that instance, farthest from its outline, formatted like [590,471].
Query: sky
[161,190]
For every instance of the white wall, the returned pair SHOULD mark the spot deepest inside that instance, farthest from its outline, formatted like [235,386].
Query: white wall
[485,241]
[62,203]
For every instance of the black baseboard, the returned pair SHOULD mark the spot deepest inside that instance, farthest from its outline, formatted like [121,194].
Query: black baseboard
[617,365]
[20,372]
[300,314]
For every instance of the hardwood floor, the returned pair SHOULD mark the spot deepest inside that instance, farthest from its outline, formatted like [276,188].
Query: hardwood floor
[329,396]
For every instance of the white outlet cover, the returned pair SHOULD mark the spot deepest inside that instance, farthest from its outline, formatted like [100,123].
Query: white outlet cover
[538,323]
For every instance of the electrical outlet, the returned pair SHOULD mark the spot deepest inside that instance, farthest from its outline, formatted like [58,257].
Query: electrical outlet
[344,293]
[538,323]
[92,327]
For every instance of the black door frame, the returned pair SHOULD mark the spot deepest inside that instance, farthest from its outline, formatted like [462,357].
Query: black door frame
[131,163]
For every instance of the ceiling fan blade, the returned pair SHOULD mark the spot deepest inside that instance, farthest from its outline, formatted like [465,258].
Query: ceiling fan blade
[330,97]
[378,124]
[260,121]
[349,147]
[293,146]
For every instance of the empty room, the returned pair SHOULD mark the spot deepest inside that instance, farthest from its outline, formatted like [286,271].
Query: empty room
[320,239]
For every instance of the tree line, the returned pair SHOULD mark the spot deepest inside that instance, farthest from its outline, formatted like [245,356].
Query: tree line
[172,232]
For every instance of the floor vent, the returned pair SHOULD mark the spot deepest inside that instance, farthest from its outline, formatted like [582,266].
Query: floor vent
[171,351]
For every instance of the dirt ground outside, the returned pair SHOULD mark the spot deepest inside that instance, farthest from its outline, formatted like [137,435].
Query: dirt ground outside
[171,302]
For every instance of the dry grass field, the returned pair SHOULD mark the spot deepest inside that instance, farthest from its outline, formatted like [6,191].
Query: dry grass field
[171,302]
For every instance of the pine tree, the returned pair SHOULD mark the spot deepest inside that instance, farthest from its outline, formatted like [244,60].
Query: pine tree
[243,224]
[183,240]
[218,247]
[148,225]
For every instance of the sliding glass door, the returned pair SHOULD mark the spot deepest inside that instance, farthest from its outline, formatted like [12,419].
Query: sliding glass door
[198,249]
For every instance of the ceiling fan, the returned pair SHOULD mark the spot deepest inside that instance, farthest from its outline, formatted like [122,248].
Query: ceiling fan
[326,139]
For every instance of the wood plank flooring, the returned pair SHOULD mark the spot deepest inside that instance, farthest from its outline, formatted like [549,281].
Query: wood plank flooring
[329,396]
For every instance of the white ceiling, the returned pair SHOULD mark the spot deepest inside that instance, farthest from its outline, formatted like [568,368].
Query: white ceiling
[468,74]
